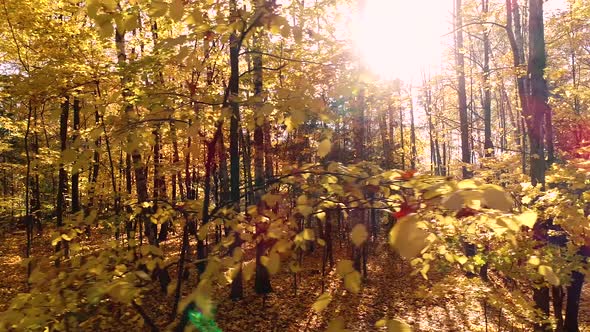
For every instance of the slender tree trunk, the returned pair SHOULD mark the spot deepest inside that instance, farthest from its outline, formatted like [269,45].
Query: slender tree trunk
[28,215]
[209,164]
[138,166]
[177,175]
[262,279]
[62,175]
[487,93]
[95,166]
[234,139]
[76,172]
[159,182]
[414,151]
[515,37]
[247,167]
[461,91]
[401,129]
[391,132]
[387,150]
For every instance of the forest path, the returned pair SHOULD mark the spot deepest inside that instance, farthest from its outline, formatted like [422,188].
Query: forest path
[389,291]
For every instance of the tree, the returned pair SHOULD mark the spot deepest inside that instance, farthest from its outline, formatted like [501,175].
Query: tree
[461,90]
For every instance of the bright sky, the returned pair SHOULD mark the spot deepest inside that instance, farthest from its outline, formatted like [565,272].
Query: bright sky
[400,38]
[403,38]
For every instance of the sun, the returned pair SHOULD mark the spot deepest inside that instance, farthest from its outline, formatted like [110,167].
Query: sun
[402,38]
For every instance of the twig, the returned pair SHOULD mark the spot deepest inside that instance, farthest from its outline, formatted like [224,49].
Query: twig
[145,317]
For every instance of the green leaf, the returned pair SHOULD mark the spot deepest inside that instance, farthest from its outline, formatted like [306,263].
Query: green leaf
[359,234]
[322,302]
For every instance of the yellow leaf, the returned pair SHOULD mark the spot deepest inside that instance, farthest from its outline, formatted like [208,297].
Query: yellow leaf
[344,267]
[406,238]
[461,259]
[467,184]
[130,22]
[550,276]
[322,302]
[527,218]
[248,270]
[534,260]
[158,8]
[337,325]
[298,117]
[109,4]
[324,148]
[176,10]
[171,288]
[302,200]
[498,199]
[55,241]
[454,202]
[203,297]
[195,17]
[359,234]
[352,281]
[69,156]
[142,275]
[396,325]
[272,262]
[308,234]
[449,257]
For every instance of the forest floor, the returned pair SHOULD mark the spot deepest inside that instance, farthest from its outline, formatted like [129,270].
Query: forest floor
[443,303]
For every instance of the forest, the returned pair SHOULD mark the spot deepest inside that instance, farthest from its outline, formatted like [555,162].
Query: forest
[294,165]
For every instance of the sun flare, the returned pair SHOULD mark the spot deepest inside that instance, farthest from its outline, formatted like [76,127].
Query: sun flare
[402,38]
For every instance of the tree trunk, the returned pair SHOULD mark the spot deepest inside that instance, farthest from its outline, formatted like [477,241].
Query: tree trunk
[62,175]
[487,93]
[461,91]
[414,151]
[537,110]
[237,291]
[387,151]
[401,129]
[262,279]
[76,172]
[538,107]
